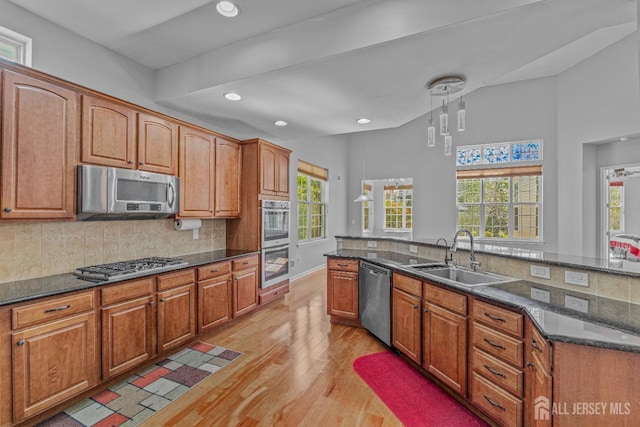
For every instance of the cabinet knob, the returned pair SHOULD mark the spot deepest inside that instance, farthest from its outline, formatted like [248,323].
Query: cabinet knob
[130,162]
[161,299]
[151,302]
[7,209]
[415,307]
[426,310]
[20,343]
[530,365]
[141,163]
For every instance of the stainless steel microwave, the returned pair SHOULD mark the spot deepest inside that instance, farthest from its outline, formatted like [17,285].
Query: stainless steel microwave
[106,193]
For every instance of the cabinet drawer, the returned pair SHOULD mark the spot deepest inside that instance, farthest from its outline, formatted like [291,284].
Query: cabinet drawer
[272,294]
[541,347]
[496,402]
[407,284]
[179,278]
[343,264]
[500,373]
[499,318]
[242,263]
[446,298]
[214,270]
[57,308]
[497,344]
[126,291]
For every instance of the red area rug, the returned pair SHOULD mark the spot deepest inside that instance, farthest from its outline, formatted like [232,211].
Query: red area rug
[415,400]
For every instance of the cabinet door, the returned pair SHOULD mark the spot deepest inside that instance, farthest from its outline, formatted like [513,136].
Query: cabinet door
[406,324]
[157,144]
[228,173]
[108,133]
[176,316]
[445,347]
[39,137]
[282,173]
[540,388]
[127,335]
[52,363]
[196,172]
[214,302]
[268,185]
[245,291]
[342,294]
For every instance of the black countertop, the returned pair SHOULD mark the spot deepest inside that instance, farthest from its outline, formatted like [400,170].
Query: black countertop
[25,290]
[609,323]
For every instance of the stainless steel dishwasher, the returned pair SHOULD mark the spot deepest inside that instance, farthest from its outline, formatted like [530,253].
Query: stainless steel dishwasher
[374,300]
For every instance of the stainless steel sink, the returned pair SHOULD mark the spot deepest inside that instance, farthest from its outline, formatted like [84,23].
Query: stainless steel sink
[459,275]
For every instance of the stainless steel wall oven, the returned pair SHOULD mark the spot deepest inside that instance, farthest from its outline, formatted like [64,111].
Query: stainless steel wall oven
[275,240]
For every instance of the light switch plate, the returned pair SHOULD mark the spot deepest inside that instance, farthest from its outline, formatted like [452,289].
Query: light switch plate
[413,249]
[540,271]
[576,278]
[372,244]
[575,303]
[541,295]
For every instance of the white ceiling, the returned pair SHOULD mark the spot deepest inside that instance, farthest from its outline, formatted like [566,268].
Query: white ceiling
[320,65]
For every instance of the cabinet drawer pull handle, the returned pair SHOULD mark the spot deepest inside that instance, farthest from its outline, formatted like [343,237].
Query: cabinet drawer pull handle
[245,263]
[494,372]
[497,319]
[343,265]
[217,270]
[535,345]
[20,343]
[491,343]
[51,310]
[497,405]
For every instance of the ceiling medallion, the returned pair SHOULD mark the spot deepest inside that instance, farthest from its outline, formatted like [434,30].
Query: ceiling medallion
[446,85]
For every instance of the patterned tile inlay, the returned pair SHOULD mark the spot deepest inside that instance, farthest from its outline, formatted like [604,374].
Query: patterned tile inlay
[130,402]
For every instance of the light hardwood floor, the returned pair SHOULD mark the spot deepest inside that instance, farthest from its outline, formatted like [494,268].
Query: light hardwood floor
[296,370]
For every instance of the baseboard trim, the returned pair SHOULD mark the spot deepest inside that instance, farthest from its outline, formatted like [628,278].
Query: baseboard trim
[306,273]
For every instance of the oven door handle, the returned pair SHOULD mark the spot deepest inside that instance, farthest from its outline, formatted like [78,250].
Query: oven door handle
[275,248]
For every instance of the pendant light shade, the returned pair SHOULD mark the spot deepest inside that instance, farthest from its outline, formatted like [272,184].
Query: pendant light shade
[447,145]
[462,116]
[444,119]
[363,197]
[431,134]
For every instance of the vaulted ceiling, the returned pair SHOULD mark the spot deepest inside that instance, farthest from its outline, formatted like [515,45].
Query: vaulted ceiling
[320,65]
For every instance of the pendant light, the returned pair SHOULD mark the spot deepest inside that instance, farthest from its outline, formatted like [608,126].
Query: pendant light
[431,130]
[444,86]
[462,115]
[363,197]
[444,119]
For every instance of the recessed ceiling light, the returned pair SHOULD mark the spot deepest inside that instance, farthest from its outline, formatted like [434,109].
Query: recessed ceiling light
[280,123]
[232,96]
[623,138]
[363,121]
[228,9]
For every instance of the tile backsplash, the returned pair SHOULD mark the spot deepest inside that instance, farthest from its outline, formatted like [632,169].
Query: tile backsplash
[30,250]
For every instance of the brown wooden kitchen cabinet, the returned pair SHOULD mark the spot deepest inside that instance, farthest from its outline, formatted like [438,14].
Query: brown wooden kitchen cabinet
[157,144]
[176,312]
[128,325]
[196,169]
[274,170]
[39,141]
[108,133]
[342,289]
[538,380]
[406,316]
[228,173]
[214,295]
[54,352]
[245,284]
[444,332]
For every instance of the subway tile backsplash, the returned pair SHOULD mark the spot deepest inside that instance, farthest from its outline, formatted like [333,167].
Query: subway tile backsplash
[31,250]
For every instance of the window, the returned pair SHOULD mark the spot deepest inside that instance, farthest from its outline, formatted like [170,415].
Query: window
[616,207]
[312,209]
[367,211]
[502,203]
[15,47]
[398,208]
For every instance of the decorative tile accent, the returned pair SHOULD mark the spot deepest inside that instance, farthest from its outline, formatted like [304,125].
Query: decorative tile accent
[129,402]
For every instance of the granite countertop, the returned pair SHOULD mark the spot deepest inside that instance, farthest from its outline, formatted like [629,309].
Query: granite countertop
[25,290]
[609,323]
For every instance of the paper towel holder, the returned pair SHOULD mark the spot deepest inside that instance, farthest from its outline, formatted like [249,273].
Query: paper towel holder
[188,224]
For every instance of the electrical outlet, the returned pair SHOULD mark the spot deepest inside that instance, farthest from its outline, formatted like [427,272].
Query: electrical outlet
[541,295]
[412,261]
[540,271]
[575,303]
[413,249]
[372,244]
[576,278]
[372,255]
[292,263]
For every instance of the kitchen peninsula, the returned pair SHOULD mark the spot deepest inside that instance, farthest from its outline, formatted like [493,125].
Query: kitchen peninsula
[505,350]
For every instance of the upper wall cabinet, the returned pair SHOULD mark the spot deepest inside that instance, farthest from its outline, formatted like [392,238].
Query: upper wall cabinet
[273,170]
[108,133]
[197,172]
[39,139]
[157,144]
[228,174]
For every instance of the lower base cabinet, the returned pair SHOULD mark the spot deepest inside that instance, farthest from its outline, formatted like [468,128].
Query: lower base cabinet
[245,285]
[214,296]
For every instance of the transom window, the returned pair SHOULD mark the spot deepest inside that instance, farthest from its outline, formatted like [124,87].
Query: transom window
[312,207]
[398,208]
[15,47]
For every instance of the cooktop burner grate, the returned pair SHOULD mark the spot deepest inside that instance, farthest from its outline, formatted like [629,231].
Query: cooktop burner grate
[128,269]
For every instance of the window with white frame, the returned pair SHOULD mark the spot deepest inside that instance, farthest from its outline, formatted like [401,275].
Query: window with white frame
[398,208]
[312,202]
[15,47]
[367,209]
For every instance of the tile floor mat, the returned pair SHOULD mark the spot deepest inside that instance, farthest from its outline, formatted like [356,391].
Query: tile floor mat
[136,398]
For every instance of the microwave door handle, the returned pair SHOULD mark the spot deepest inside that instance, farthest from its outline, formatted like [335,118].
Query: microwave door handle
[173,195]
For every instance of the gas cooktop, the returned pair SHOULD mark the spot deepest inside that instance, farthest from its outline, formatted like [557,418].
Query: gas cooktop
[128,269]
